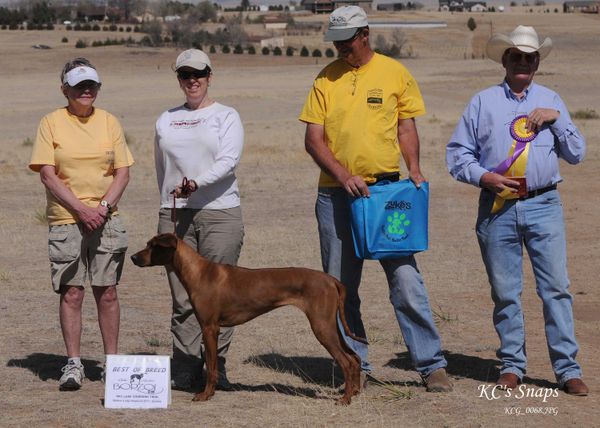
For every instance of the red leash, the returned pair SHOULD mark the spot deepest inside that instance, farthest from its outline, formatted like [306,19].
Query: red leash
[185,193]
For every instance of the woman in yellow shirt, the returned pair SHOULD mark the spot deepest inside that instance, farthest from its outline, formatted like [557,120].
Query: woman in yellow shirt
[83,161]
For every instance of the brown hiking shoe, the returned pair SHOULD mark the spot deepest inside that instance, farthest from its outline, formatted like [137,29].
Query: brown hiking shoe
[438,381]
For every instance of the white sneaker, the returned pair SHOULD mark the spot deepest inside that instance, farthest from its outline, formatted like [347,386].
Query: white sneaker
[72,377]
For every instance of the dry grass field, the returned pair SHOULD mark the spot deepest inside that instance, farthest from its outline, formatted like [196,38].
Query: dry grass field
[281,375]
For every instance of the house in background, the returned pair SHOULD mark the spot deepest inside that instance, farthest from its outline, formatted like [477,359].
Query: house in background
[327,6]
[583,6]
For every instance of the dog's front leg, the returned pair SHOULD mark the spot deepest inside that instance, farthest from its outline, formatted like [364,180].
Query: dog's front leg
[210,334]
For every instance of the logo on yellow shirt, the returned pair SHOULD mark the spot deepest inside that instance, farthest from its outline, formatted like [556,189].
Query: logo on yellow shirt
[375,99]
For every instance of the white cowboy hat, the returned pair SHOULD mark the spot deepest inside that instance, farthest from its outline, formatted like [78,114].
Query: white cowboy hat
[523,38]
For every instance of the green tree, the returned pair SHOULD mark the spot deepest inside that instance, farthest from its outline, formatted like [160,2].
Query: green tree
[41,13]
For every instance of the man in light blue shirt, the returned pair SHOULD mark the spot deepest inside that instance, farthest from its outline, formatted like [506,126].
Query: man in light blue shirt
[508,142]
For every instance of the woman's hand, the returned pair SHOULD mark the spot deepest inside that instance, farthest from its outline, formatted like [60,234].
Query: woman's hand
[185,189]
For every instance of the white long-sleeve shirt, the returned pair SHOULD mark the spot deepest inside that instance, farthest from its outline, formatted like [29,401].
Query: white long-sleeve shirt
[204,145]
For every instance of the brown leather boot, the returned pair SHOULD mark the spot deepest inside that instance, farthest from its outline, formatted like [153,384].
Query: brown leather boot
[576,387]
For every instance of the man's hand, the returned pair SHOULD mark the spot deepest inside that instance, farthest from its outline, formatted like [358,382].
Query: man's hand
[356,186]
[539,116]
[497,183]
[417,178]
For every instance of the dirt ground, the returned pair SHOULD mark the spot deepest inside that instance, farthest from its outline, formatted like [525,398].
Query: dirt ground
[281,375]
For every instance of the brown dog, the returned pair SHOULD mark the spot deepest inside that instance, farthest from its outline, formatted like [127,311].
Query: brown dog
[225,295]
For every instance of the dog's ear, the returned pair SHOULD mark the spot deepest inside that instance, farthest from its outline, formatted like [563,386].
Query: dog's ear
[167,240]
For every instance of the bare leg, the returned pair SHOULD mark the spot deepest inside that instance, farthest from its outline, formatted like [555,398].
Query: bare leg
[109,314]
[71,300]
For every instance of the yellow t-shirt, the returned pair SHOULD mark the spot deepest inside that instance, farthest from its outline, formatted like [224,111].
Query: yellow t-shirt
[359,109]
[84,151]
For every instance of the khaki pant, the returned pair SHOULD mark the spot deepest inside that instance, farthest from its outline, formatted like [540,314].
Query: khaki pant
[216,235]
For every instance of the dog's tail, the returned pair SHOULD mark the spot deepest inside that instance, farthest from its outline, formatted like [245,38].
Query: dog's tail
[341,299]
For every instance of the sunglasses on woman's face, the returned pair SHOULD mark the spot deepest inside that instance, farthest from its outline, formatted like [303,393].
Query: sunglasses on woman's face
[87,85]
[194,74]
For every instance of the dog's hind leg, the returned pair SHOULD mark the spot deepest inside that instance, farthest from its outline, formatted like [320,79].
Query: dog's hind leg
[326,331]
[209,337]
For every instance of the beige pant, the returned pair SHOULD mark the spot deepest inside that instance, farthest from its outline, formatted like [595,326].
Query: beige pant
[77,258]
[218,236]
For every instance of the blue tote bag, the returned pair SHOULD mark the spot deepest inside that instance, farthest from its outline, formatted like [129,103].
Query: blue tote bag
[392,222]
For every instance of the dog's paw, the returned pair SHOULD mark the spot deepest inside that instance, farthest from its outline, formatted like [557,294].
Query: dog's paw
[202,396]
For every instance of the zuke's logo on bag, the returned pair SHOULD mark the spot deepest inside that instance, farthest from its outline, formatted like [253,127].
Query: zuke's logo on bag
[398,222]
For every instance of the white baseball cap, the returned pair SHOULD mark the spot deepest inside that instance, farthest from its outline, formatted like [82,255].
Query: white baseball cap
[343,23]
[80,74]
[193,58]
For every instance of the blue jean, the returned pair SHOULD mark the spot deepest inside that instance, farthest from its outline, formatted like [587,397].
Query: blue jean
[407,291]
[538,224]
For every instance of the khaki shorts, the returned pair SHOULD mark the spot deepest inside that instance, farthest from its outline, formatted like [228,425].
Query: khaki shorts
[96,257]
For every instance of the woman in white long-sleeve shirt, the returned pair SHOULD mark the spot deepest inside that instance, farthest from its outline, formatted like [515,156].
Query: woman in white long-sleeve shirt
[201,140]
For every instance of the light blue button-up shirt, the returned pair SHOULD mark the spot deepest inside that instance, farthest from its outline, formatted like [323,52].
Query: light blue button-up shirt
[482,137]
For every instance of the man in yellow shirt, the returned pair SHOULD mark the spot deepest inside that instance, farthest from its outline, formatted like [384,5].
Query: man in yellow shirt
[359,120]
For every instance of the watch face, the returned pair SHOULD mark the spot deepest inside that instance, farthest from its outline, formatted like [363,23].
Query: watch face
[104,203]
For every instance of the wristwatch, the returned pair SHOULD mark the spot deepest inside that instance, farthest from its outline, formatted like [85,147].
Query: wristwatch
[105,203]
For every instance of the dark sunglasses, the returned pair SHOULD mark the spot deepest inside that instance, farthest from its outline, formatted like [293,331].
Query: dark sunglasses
[517,57]
[88,85]
[351,39]
[195,74]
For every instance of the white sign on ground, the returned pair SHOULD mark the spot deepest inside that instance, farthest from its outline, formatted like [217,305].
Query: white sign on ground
[137,382]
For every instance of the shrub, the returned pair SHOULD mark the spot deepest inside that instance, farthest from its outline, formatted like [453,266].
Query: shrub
[105,28]
[277,51]
[304,51]
[128,29]
[265,50]
[49,26]
[81,44]
[121,29]
[471,24]
[77,27]
[96,27]
[225,49]
[146,41]
[317,53]
[329,53]
[86,27]
[112,27]
[68,28]
[97,43]
[212,49]
[289,51]
[251,50]
[585,114]
[238,49]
